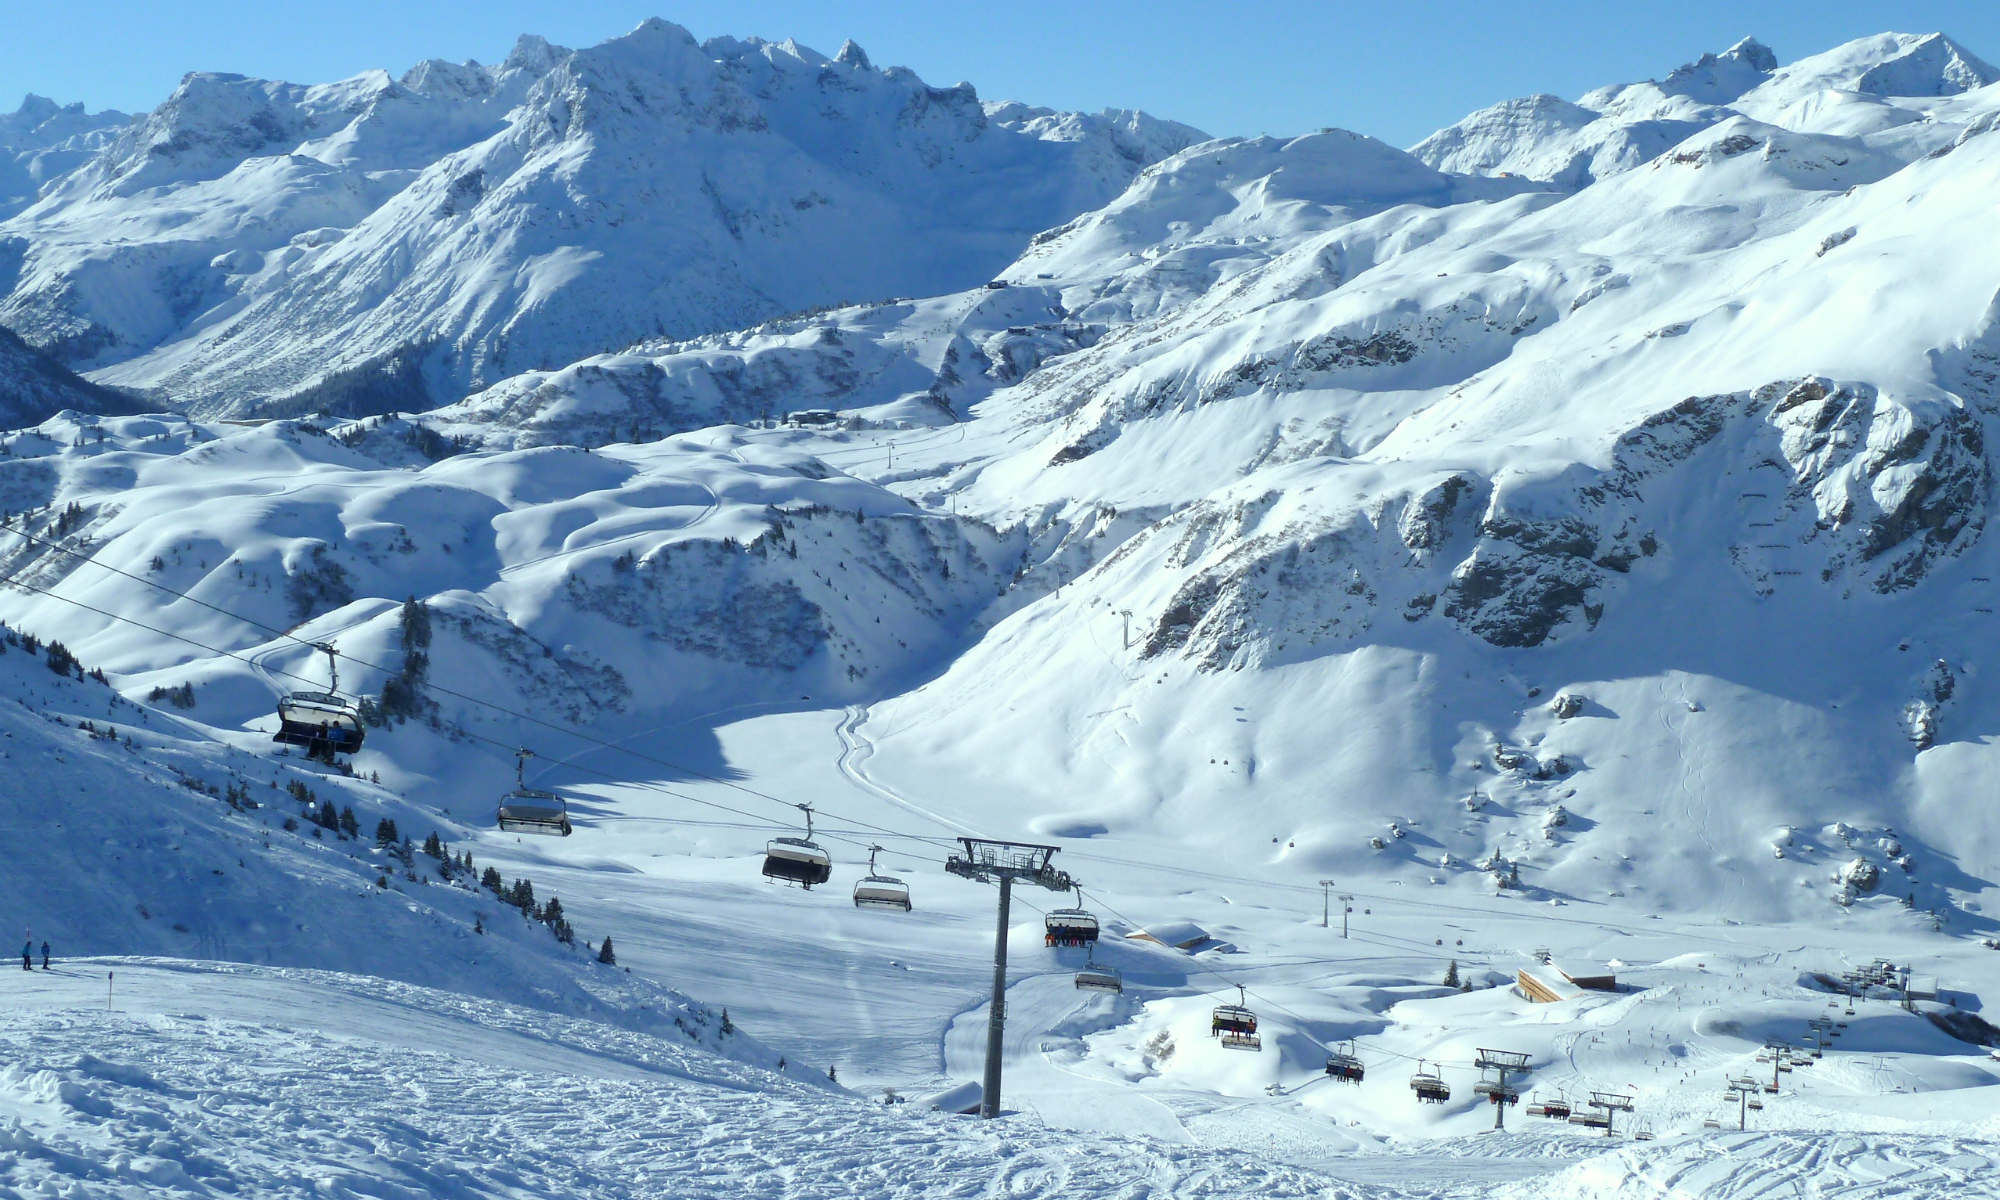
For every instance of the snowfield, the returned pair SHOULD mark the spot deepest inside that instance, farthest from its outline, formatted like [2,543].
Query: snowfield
[1377,572]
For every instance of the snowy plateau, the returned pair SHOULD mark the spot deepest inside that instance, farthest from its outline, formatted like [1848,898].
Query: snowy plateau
[1517,601]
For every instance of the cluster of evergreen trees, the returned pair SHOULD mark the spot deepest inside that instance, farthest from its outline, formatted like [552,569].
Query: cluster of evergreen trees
[520,895]
[403,695]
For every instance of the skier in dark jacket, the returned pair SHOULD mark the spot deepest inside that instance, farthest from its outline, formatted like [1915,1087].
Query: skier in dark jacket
[28,955]
[45,954]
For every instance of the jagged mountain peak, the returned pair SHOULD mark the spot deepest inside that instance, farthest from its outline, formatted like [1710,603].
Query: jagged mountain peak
[437,230]
[1621,126]
[852,55]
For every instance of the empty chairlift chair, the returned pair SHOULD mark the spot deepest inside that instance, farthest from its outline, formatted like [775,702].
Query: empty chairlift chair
[532,810]
[1235,1024]
[1428,1086]
[323,723]
[1071,926]
[880,891]
[797,860]
[1095,978]
[1344,1066]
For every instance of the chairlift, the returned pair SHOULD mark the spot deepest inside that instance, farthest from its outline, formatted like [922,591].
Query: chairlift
[1642,1133]
[1235,1024]
[1711,1123]
[1344,1066]
[1094,978]
[1071,926]
[1429,1086]
[323,723]
[1756,1105]
[798,859]
[1557,1109]
[532,810]
[880,891]
[1591,1120]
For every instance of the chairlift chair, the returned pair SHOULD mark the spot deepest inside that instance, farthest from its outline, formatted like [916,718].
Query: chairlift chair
[798,860]
[532,810]
[1235,1024]
[1756,1105]
[1094,978]
[1429,1087]
[1071,926]
[1557,1109]
[323,723]
[880,891]
[1344,1066]
[1591,1120]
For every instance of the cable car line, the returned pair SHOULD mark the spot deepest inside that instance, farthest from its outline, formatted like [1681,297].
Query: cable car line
[427,685]
[758,822]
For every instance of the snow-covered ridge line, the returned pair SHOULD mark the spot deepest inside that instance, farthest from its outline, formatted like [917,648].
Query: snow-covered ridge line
[376,243]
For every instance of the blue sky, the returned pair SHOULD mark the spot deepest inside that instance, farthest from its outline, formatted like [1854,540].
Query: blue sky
[1394,70]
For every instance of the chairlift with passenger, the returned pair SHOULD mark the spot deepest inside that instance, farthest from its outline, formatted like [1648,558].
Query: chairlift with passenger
[798,860]
[532,810]
[1235,1024]
[324,723]
[1429,1086]
[1071,926]
[1343,1065]
[881,891]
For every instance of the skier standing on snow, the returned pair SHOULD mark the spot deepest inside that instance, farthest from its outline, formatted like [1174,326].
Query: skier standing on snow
[45,954]
[28,955]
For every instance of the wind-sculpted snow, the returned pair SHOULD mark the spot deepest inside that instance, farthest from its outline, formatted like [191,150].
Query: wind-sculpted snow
[376,244]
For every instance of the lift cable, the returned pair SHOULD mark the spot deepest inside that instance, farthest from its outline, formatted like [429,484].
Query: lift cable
[427,685]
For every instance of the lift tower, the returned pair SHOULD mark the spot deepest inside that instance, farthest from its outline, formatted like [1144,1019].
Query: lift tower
[986,861]
[1497,1090]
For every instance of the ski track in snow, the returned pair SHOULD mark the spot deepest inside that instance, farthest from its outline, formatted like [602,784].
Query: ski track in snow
[855,750]
[225,1081]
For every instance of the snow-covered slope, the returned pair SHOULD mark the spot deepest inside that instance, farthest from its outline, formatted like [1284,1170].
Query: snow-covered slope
[34,387]
[1866,85]
[377,243]
[139,833]
[41,141]
[1604,567]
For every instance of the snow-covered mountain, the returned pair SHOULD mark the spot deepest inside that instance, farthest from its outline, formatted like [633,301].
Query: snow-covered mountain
[1574,532]
[1867,86]
[386,243]
[42,141]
